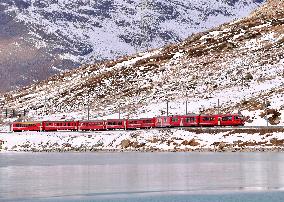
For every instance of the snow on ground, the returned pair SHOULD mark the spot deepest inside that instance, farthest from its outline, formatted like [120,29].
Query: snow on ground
[142,140]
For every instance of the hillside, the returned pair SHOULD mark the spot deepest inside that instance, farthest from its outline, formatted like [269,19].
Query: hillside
[240,63]
[41,38]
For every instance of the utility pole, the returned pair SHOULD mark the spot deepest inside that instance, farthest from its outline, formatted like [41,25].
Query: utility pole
[119,111]
[88,108]
[167,108]
[45,111]
[185,107]
[14,113]
[218,106]
[266,115]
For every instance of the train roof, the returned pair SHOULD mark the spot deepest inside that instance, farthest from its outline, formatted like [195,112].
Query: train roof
[85,121]
[30,122]
[59,121]
[234,114]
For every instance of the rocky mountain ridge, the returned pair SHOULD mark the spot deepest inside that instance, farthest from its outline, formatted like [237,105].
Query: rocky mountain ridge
[240,63]
[39,38]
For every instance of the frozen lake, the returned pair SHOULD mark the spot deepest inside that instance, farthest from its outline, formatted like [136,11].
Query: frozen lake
[142,177]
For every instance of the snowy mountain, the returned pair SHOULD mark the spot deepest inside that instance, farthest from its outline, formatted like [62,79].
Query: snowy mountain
[39,38]
[241,63]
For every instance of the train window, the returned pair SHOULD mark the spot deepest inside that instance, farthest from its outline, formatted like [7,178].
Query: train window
[68,124]
[147,121]
[190,119]
[165,119]
[227,118]
[174,119]
[119,123]
[208,118]
[237,118]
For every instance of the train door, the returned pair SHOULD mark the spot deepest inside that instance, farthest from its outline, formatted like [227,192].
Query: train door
[219,121]
[163,121]
[124,124]
[159,122]
[181,121]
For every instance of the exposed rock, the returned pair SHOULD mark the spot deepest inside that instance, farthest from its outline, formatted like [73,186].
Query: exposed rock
[274,119]
[191,142]
[125,143]
[248,76]
[221,146]
[276,142]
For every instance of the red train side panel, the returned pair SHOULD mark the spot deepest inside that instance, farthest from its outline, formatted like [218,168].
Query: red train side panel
[231,120]
[26,126]
[221,120]
[148,123]
[115,124]
[209,120]
[163,122]
[191,120]
[60,125]
[92,125]
[133,124]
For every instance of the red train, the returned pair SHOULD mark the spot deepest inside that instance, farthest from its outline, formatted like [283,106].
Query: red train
[192,120]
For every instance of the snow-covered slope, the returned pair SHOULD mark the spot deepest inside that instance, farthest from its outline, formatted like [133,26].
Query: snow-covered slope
[43,37]
[241,63]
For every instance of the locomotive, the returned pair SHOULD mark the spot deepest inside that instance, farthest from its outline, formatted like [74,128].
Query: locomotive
[190,120]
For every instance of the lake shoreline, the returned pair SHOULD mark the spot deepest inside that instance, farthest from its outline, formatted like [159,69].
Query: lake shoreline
[169,140]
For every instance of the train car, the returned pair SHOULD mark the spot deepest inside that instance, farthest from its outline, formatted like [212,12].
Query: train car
[26,126]
[134,124]
[92,125]
[163,121]
[231,120]
[113,124]
[178,121]
[60,125]
[190,120]
[221,120]
[206,120]
[148,123]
